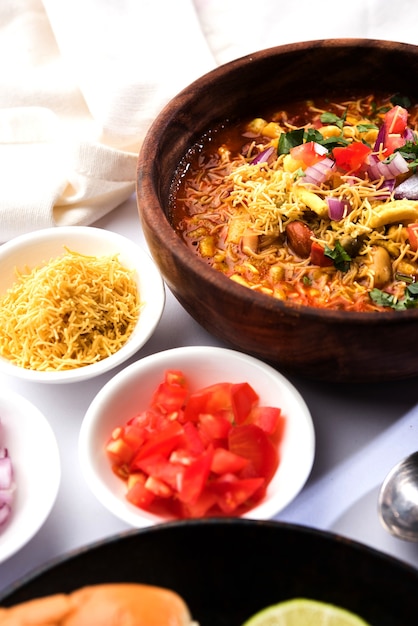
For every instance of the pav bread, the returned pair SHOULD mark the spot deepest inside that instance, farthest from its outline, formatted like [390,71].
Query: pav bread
[113,604]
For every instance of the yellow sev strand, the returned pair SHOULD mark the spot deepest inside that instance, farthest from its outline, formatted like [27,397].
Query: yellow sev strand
[71,312]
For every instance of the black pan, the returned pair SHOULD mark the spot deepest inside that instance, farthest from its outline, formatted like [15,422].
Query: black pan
[226,570]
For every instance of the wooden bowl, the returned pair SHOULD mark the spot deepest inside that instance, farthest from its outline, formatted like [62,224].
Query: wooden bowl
[321,344]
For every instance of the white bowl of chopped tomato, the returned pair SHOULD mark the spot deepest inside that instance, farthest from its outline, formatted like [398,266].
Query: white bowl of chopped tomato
[196,432]
[75,302]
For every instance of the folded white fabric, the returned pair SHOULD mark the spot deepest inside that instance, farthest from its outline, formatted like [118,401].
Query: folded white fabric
[234,28]
[81,82]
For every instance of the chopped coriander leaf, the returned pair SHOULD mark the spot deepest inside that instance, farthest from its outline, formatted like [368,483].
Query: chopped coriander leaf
[312,134]
[340,257]
[289,140]
[307,281]
[409,301]
[331,118]
[334,142]
[362,128]
[409,151]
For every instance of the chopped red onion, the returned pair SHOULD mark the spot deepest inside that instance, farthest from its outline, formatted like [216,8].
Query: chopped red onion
[408,189]
[319,172]
[5,511]
[263,156]
[6,473]
[380,139]
[6,484]
[337,208]
[387,169]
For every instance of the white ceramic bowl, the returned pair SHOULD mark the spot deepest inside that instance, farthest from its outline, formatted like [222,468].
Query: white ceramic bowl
[130,390]
[33,450]
[40,246]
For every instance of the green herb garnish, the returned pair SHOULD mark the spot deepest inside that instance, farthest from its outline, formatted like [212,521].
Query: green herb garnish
[290,140]
[409,301]
[340,257]
[331,118]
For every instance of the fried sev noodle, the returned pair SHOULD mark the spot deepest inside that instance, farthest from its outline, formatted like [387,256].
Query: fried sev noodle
[230,197]
[74,311]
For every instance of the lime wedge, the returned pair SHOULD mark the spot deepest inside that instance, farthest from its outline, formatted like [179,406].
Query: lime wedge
[304,612]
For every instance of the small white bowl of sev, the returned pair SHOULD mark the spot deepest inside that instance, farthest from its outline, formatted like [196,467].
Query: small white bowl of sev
[75,302]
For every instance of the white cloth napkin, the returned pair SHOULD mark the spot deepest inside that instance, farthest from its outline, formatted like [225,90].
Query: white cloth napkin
[81,82]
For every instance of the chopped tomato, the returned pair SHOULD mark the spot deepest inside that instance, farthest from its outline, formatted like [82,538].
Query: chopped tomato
[226,462]
[318,255]
[210,452]
[252,443]
[231,491]
[195,477]
[395,120]
[308,153]
[162,442]
[213,426]
[137,493]
[172,393]
[351,158]
[243,400]
[392,143]
[213,399]
[267,418]
[413,236]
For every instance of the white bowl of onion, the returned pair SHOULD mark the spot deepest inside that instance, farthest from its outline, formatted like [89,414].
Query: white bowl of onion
[30,471]
[75,302]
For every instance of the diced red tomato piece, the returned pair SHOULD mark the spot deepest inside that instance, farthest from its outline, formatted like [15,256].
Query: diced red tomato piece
[195,477]
[243,399]
[413,236]
[201,507]
[172,393]
[213,427]
[212,399]
[158,466]
[119,452]
[267,418]
[158,487]
[137,493]
[134,435]
[351,158]
[309,153]
[318,255]
[226,462]
[396,120]
[251,442]
[233,492]
[191,439]
[162,442]
[392,143]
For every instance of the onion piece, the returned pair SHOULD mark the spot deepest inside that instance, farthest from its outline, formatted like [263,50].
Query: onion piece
[319,172]
[6,473]
[338,208]
[408,189]
[263,156]
[387,169]
[5,511]
[7,485]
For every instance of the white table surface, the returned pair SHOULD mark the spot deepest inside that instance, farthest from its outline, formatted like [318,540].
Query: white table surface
[361,431]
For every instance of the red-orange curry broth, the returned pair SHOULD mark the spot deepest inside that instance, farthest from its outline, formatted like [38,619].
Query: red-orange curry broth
[309,204]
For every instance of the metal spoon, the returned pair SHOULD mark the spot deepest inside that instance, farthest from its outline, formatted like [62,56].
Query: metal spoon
[398,499]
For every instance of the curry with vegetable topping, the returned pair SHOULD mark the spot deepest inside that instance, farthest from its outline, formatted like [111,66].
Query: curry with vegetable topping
[316,205]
